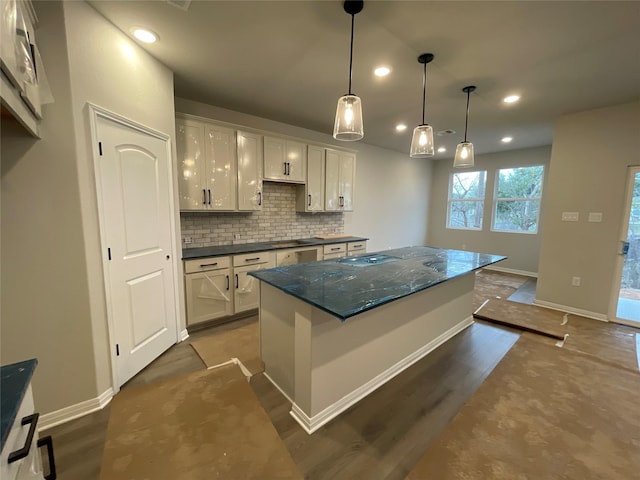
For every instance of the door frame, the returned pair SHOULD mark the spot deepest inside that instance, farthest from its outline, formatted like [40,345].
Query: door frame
[619,264]
[95,113]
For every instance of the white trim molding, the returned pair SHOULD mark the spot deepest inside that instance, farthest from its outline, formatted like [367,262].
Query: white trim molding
[72,412]
[576,311]
[512,271]
[311,424]
[184,334]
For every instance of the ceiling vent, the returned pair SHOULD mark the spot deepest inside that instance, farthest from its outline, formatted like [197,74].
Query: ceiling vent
[181,4]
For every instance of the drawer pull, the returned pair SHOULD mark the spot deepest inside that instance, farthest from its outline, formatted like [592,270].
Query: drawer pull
[24,451]
[48,442]
[202,265]
[336,248]
[357,246]
[251,259]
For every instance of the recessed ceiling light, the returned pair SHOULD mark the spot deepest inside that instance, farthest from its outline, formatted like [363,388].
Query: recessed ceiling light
[511,99]
[382,71]
[144,35]
[401,127]
[506,139]
[442,150]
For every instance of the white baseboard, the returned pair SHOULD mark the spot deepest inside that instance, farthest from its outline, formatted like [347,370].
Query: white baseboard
[512,270]
[576,311]
[72,412]
[278,387]
[311,424]
[184,335]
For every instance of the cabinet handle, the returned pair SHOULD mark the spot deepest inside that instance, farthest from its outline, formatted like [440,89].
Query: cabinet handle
[48,442]
[202,265]
[24,451]
[288,168]
[204,196]
[284,165]
[259,198]
[227,282]
[309,199]
[357,246]
[237,284]
[337,248]
[209,196]
[251,259]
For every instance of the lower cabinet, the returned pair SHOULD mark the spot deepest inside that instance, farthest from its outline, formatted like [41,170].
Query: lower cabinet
[356,248]
[218,287]
[336,250]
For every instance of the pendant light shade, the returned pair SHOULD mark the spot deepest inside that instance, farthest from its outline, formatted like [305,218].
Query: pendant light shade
[464,150]
[422,140]
[348,124]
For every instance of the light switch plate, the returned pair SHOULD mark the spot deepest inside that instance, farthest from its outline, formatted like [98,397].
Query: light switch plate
[570,216]
[595,216]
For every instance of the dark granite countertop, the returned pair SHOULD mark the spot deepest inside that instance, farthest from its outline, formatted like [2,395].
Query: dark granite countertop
[217,251]
[14,380]
[351,285]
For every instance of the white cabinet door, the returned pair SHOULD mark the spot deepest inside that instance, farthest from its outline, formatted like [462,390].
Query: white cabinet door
[339,180]
[249,171]
[311,198]
[220,167]
[209,295]
[247,289]
[284,160]
[191,163]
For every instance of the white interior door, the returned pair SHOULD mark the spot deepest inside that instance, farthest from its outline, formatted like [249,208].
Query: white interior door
[133,176]
[626,295]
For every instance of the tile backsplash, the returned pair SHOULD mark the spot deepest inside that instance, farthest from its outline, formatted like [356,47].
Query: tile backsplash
[278,220]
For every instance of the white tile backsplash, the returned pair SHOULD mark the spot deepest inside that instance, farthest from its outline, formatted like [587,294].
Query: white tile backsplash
[278,220]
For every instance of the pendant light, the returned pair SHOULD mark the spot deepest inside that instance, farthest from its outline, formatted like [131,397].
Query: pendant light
[464,150]
[422,140]
[348,124]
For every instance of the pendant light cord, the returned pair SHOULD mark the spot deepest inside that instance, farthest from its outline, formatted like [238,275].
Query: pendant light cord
[424,91]
[353,18]
[466,122]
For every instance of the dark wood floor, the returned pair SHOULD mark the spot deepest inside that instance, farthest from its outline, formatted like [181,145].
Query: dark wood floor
[382,436]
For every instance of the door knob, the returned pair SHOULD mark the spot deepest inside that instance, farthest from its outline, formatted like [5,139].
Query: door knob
[168,257]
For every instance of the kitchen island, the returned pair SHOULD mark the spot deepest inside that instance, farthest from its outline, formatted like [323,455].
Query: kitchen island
[331,332]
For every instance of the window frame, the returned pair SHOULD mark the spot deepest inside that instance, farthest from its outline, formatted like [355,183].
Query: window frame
[494,208]
[450,201]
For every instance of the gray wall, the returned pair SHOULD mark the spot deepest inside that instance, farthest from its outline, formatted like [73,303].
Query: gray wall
[392,190]
[53,302]
[522,250]
[589,160]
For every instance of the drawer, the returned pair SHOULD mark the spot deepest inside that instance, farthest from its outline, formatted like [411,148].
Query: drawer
[208,263]
[253,258]
[332,256]
[335,248]
[359,247]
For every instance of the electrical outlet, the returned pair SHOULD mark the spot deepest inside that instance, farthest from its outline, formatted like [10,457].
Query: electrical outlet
[236,236]
[188,240]
[575,281]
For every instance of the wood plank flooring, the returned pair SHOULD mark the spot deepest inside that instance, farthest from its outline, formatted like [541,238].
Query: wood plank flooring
[381,437]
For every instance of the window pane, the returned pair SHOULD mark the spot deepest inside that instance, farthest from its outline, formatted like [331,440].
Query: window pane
[517,216]
[465,215]
[468,185]
[524,182]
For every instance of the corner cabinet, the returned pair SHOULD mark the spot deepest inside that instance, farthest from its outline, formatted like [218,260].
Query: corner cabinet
[339,180]
[284,160]
[249,171]
[310,197]
[207,161]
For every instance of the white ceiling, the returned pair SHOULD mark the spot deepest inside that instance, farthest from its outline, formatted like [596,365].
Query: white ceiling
[289,61]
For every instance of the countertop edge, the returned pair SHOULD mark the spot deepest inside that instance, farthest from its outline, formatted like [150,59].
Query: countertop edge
[12,405]
[204,252]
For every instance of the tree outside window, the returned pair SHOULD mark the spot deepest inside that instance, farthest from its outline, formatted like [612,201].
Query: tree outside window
[517,199]
[466,200]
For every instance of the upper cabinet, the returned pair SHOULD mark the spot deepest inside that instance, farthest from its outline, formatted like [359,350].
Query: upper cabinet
[310,198]
[249,171]
[284,160]
[339,180]
[23,76]
[207,166]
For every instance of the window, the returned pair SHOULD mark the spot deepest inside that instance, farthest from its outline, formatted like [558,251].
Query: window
[466,200]
[517,199]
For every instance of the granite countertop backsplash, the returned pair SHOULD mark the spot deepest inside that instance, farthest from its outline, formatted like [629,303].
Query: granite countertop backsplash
[220,250]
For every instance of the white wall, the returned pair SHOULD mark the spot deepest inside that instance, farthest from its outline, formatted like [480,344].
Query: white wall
[392,190]
[53,303]
[589,159]
[522,250]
